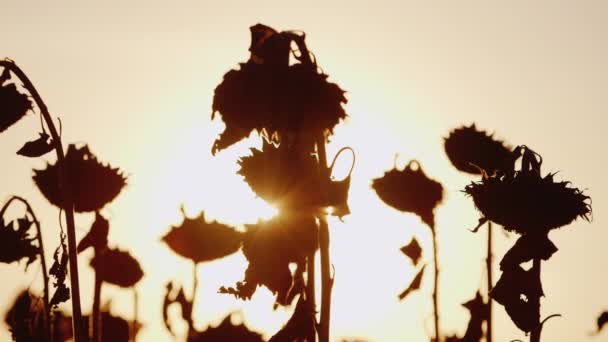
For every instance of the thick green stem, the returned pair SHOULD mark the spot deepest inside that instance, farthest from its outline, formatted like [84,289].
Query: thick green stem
[535,303]
[490,284]
[45,274]
[68,203]
[326,280]
[436,284]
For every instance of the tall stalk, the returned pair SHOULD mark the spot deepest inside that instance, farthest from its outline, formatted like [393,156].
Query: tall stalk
[535,303]
[96,315]
[68,203]
[436,284]
[490,284]
[45,274]
[326,280]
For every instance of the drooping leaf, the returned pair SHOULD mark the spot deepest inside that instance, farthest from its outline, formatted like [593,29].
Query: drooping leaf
[301,324]
[97,237]
[528,247]
[267,94]
[37,148]
[117,267]
[410,190]
[201,241]
[479,311]
[13,105]
[270,247]
[414,285]
[471,150]
[59,270]
[602,320]
[413,251]
[93,184]
[514,290]
[226,331]
[15,242]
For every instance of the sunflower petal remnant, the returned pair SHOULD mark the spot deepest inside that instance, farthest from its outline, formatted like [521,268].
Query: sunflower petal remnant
[93,184]
[410,190]
[200,241]
[472,151]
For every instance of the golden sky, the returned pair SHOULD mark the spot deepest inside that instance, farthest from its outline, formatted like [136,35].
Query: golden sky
[135,81]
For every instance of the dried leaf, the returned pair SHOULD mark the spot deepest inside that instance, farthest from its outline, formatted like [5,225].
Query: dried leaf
[13,105]
[97,237]
[201,241]
[414,285]
[37,148]
[528,247]
[15,242]
[301,324]
[410,190]
[226,331]
[59,270]
[93,184]
[602,320]
[473,151]
[413,251]
[117,267]
[479,314]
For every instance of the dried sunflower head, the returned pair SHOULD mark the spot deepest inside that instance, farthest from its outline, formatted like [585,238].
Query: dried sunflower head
[526,202]
[200,241]
[266,94]
[410,190]
[117,267]
[270,247]
[13,104]
[471,150]
[15,242]
[93,184]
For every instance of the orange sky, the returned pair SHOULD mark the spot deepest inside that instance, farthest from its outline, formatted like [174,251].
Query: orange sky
[136,83]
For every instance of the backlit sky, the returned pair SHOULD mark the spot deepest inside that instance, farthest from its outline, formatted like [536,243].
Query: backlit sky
[135,81]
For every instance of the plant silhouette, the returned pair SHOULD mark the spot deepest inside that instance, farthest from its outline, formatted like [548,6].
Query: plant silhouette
[531,205]
[410,190]
[476,152]
[294,108]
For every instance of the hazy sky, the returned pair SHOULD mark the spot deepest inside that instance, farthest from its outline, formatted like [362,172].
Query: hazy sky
[136,82]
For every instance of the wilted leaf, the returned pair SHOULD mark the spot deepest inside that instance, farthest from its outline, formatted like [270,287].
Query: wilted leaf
[37,148]
[414,285]
[514,291]
[413,251]
[117,267]
[301,324]
[59,270]
[15,243]
[97,237]
[13,105]
[201,241]
[410,190]
[528,247]
[479,313]
[226,331]
[471,150]
[270,247]
[93,184]
[602,320]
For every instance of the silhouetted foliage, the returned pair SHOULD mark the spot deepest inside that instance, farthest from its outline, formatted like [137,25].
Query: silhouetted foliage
[15,242]
[37,148]
[93,184]
[59,271]
[13,104]
[471,151]
[301,324]
[200,241]
[97,237]
[270,247]
[25,318]
[479,313]
[119,268]
[410,190]
[414,285]
[526,248]
[226,331]
[413,251]
[270,96]
[602,320]
[179,299]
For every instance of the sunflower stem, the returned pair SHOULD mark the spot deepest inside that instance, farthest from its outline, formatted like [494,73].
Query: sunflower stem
[45,274]
[135,315]
[194,289]
[310,287]
[435,284]
[535,303]
[490,284]
[68,203]
[326,280]
[96,314]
